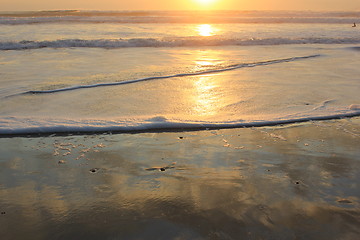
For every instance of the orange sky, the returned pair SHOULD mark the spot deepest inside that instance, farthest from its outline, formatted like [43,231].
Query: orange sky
[316,5]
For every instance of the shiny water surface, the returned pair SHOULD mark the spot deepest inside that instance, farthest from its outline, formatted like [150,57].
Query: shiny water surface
[292,182]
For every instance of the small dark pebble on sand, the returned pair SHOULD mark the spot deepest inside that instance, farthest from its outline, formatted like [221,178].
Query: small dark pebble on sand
[2,213]
[181,137]
[162,169]
[94,170]
[344,201]
[297,182]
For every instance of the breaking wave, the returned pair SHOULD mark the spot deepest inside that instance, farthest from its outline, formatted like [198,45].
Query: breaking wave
[75,16]
[12,126]
[171,42]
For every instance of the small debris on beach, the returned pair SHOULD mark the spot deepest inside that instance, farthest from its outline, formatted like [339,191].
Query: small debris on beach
[61,162]
[227,144]
[181,137]
[94,170]
[162,169]
[3,213]
[277,136]
[67,153]
[273,135]
[242,147]
[80,156]
[100,145]
[85,150]
[344,201]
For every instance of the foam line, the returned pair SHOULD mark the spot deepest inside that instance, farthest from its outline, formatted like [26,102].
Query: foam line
[228,68]
[171,42]
[11,126]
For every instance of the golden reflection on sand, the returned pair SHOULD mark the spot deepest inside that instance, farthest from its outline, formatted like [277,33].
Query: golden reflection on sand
[275,191]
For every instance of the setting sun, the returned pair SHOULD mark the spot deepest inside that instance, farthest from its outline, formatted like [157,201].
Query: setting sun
[205,3]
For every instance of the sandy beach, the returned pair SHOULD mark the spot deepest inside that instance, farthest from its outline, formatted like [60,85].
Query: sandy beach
[297,181]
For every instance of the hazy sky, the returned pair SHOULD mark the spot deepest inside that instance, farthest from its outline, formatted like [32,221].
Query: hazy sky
[332,5]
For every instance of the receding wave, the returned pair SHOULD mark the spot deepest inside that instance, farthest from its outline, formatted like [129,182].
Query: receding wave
[216,70]
[12,126]
[171,42]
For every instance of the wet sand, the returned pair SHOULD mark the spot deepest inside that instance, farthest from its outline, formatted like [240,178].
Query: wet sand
[298,181]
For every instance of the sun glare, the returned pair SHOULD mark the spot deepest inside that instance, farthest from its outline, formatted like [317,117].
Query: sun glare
[205,30]
[205,3]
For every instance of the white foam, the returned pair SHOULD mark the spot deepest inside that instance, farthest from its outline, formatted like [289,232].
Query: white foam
[171,42]
[21,125]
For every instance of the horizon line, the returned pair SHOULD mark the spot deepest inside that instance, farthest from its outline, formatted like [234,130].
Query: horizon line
[176,10]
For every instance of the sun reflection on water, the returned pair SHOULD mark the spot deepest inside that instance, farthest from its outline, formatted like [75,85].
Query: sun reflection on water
[206,98]
[205,30]
[207,91]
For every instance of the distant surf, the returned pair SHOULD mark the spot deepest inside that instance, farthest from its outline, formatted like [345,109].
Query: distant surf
[99,17]
[171,42]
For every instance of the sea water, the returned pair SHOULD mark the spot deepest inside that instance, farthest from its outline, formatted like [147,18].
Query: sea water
[91,71]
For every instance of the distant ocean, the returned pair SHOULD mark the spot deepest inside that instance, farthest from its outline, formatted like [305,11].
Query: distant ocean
[91,71]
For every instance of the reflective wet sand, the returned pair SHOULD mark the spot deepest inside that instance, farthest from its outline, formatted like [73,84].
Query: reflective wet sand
[287,182]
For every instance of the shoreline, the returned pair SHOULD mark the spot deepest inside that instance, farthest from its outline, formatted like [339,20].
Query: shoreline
[202,127]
